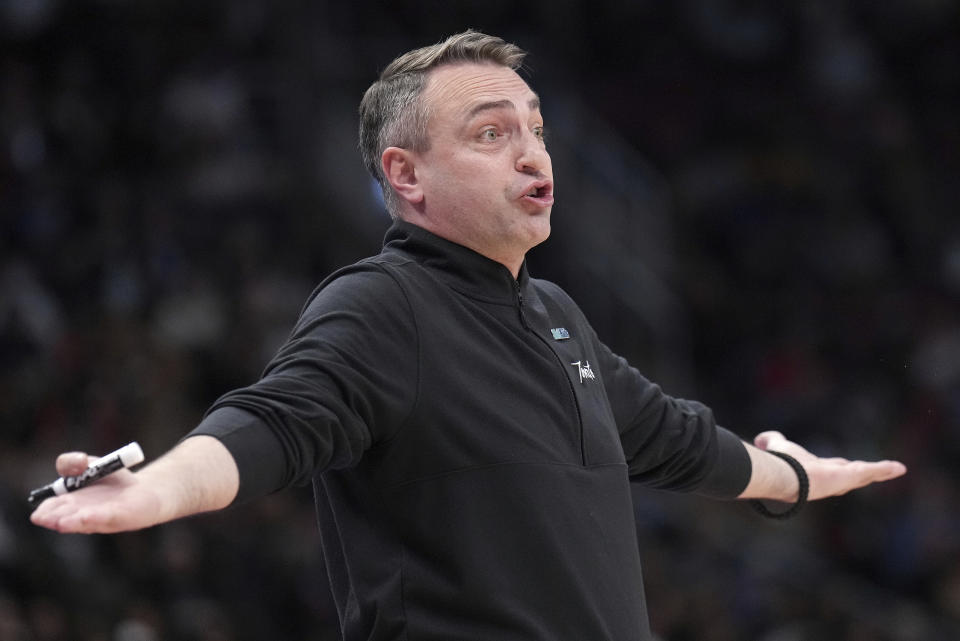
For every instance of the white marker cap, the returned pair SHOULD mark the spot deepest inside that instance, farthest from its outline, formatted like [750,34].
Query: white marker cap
[131,454]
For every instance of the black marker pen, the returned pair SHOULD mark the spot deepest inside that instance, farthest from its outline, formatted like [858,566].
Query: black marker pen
[126,456]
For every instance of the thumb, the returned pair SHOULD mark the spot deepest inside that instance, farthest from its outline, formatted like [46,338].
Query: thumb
[771,439]
[72,463]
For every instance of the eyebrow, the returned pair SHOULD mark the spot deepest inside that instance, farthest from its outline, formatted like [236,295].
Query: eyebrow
[533,104]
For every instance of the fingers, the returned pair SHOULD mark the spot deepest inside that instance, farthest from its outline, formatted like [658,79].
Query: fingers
[49,513]
[886,470]
[89,520]
[72,463]
[65,516]
[830,478]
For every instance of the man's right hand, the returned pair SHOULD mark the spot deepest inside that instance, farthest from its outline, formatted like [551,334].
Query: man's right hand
[198,475]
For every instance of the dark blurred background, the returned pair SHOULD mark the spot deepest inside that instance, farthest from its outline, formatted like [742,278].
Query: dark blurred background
[756,205]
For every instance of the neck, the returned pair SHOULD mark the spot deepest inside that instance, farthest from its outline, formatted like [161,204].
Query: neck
[510,261]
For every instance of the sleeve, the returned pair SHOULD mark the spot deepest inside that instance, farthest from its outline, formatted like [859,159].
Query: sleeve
[345,379]
[671,443]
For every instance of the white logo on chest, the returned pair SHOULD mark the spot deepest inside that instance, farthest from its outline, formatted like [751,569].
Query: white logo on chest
[584,369]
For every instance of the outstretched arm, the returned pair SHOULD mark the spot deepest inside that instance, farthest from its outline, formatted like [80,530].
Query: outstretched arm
[198,475]
[773,478]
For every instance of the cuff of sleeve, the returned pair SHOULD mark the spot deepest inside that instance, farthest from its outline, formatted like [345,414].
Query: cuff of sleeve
[732,469]
[257,452]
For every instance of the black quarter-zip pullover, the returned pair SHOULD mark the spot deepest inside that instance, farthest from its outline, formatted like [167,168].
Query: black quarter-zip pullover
[471,444]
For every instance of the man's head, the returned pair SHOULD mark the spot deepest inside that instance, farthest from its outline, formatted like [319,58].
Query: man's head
[455,137]
[392,112]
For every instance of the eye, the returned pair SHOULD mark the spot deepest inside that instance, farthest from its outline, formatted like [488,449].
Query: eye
[489,135]
[540,132]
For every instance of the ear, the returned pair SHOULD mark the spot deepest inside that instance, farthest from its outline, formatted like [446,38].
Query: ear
[399,167]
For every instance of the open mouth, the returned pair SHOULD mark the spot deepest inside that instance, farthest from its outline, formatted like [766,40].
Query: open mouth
[537,192]
[542,193]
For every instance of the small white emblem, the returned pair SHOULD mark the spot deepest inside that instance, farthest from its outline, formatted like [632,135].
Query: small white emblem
[584,369]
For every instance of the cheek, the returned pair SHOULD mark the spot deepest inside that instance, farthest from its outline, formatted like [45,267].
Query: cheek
[473,176]
[481,178]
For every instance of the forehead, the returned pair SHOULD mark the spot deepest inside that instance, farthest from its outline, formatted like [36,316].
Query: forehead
[454,89]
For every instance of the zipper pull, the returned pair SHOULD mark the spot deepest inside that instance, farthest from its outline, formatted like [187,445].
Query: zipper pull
[523,318]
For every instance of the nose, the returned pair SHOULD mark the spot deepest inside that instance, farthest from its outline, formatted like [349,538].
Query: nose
[532,156]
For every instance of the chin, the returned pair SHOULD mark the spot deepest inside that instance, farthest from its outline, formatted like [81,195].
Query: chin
[539,232]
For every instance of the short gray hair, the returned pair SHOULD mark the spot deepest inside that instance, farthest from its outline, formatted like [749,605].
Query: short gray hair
[392,113]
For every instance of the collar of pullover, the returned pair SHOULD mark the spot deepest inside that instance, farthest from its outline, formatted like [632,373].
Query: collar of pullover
[462,268]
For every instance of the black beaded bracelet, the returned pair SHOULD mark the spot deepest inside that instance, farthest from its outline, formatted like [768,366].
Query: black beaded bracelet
[801,496]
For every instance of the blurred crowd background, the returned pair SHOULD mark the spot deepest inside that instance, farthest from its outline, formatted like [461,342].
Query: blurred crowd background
[756,204]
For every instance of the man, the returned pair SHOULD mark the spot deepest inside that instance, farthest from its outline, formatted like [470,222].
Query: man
[470,440]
